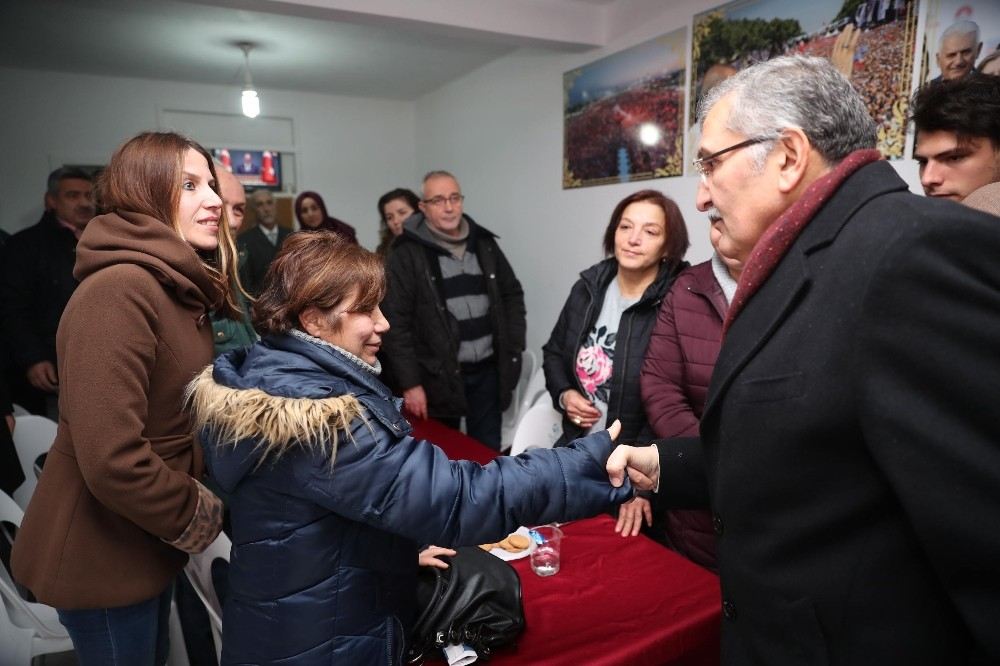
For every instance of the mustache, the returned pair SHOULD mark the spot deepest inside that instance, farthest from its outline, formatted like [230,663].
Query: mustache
[713,214]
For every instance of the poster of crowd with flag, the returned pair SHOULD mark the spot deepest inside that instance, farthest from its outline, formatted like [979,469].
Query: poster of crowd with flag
[872,42]
[623,115]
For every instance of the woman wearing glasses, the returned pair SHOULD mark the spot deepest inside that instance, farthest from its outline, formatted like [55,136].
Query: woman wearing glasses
[593,357]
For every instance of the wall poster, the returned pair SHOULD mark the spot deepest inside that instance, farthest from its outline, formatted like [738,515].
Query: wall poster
[873,42]
[623,115]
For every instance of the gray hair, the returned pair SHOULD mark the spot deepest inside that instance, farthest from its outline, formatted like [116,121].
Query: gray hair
[65,173]
[960,29]
[795,91]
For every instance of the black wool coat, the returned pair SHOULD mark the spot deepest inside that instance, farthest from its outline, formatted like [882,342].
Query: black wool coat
[852,440]
[421,346]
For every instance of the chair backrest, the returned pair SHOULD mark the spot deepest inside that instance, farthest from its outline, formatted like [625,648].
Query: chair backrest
[539,428]
[48,634]
[512,415]
[199,572]
[534,391]
[33,437]
[19,410]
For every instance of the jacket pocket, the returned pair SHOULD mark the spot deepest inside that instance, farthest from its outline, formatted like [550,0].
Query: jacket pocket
[773,388]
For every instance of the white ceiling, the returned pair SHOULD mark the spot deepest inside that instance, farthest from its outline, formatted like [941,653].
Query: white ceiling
[396,49]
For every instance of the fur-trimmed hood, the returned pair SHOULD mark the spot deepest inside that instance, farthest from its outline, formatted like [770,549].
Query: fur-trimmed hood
[282,393]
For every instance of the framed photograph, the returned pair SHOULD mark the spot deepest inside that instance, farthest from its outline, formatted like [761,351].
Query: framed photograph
[873,42]
[961,36]
[623,115]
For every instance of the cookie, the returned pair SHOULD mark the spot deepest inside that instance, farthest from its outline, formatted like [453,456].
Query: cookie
[518,541]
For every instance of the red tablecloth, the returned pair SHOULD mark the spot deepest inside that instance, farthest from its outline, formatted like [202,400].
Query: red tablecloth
[614,601]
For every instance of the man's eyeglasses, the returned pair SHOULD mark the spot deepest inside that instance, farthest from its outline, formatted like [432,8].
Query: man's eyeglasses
[705,165]
[454,200]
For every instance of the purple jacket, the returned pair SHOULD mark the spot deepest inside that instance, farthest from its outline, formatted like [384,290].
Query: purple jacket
[674,381]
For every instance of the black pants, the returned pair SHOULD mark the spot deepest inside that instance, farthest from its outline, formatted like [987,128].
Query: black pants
[482,399]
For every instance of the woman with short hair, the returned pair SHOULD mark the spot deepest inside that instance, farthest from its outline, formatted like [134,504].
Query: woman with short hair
[593,356]
[330,495]
[119,504]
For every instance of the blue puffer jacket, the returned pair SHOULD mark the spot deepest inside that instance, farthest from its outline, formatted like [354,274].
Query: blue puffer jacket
[324,558]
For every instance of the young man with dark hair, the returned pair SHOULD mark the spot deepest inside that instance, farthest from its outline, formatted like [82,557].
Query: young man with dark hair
[958,135]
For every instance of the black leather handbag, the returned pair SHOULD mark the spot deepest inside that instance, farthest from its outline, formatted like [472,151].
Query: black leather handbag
[475,601]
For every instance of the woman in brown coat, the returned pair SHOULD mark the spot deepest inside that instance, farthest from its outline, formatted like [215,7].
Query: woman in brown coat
[119,506]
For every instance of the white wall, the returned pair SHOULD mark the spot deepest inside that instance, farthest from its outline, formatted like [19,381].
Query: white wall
[499,129]
[350,150]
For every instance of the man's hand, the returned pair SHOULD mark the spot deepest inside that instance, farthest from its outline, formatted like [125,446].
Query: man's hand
[579,410]
[641,462]
[415,401]
[630,515]
[42,376]
[843,50]
[429,556]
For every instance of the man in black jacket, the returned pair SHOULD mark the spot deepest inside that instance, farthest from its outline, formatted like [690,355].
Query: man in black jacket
[456,312]
[37,282]
[260,244]
[848,447]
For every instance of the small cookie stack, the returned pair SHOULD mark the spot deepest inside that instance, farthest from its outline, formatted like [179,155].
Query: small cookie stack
[512,543]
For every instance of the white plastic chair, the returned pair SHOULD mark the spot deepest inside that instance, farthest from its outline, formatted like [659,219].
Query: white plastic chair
[199,572]
[33,437]
[19,410]
[512,415]
[27,629]
[539,428]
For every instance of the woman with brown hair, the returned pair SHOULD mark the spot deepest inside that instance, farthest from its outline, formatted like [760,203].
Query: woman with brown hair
[394,208]
[593,356]
[119,504]
[330,495]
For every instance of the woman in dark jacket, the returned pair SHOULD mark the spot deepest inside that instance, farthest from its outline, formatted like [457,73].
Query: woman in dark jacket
[394,207]
[310,211]
[593,357]
[330,495]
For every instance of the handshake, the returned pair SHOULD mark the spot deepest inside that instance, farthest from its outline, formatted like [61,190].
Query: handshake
[641,463]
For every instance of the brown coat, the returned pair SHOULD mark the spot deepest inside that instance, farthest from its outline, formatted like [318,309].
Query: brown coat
[118,483]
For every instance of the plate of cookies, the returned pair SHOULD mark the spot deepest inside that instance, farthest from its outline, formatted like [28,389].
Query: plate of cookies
[514,546]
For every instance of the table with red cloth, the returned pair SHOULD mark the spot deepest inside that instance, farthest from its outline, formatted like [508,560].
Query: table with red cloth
[614,601]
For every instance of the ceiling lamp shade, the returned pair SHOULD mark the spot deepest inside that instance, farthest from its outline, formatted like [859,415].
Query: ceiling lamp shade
[249,100]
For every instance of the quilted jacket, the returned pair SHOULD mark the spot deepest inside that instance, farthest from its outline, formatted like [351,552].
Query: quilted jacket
[674,381]
[326,535]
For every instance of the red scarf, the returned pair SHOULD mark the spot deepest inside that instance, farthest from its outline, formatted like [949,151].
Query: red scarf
[778,237]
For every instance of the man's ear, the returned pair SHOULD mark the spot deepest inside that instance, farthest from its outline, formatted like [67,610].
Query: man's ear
[796,157]
[313,321]
[48,202]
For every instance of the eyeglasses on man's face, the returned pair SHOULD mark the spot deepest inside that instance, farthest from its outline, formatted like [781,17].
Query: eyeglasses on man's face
[706,165]
[437,202]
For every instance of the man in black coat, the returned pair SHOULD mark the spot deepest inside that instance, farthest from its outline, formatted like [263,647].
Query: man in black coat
[258,246]
[850,445]
[37,282]
[457,316]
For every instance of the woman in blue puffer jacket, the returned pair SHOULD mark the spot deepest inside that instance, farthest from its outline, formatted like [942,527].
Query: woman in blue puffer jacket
[330,495]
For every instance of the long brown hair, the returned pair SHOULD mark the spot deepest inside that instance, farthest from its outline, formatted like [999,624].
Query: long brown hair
[317,269]
[144,176]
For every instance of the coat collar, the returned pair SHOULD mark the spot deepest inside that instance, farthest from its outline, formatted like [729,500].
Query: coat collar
[780,293]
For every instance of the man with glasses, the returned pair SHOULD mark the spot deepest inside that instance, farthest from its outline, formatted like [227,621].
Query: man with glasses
[849,443]
[456,312]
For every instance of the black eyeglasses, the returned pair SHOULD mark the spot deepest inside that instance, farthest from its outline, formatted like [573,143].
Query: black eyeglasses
[705,165]
[454,200]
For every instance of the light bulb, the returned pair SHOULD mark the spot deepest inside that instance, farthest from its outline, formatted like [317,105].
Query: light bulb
[251,104]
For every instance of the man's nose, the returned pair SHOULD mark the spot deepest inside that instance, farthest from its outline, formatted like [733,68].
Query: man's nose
[930,175]
[703,198]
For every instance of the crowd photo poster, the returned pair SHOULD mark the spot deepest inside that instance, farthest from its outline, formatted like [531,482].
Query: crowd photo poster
[961,36]
[872,42]
[623,115]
